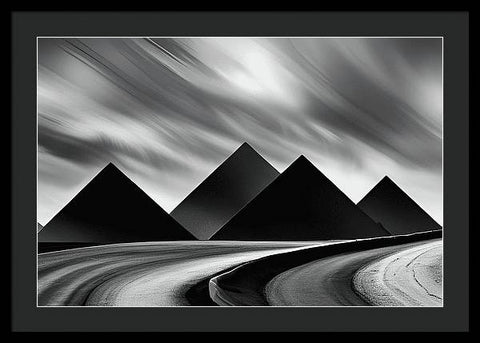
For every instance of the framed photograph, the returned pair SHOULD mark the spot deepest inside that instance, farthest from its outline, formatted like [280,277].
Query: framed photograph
[305,172]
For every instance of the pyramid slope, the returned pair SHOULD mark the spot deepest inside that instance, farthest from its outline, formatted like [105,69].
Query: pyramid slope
[224,192]
[389,205]
[300,204]
[112,209]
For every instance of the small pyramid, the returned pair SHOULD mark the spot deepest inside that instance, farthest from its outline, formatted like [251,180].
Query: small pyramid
[390,206]
[112,209]
[224,192]
[300,204]
[39,227]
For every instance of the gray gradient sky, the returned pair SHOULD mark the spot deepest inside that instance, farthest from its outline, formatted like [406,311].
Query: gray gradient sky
[167,112]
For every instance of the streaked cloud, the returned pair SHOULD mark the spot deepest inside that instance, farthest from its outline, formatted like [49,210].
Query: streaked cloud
[168,111]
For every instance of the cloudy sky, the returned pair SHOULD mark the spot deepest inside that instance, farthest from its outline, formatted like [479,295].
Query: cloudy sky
[167,112]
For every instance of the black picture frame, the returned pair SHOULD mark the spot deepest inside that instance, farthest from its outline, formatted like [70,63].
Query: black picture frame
[453,26]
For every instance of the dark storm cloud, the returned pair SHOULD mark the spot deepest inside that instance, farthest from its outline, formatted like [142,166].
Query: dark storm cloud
[168,111]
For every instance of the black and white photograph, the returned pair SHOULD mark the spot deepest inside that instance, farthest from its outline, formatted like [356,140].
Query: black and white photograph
[177,171]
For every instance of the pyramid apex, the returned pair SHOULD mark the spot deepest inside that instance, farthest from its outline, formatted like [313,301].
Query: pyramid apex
[111,170]
[302,159]
[387,179]
[111,165]
[245,148]
[245,145]
[303,164]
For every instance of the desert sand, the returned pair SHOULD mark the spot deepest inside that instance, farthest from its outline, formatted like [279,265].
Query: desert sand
[410,277]
[328,273]
[140,274]
[327,282]
[313,276]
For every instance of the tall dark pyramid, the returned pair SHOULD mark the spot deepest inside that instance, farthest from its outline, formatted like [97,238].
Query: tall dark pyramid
[300,204]
[112,209]
[224,192]
[390,206]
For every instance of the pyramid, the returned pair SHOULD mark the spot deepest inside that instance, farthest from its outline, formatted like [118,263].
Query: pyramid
[300,204]
[390,206]
[224,192]
[112,209]
[39,227]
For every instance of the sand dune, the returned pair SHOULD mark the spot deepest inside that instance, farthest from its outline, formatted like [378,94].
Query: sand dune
[327,282]
[244,273]
[410,277]
[140,274]
[313,276]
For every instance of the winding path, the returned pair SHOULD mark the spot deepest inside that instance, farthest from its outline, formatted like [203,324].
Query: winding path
[396,271]
[328,281]
[411,277]
[140,274]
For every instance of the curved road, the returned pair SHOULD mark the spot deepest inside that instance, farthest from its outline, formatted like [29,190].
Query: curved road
[160,274]
[328,281]
[140,274]
[411,277]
